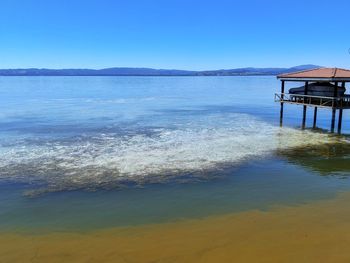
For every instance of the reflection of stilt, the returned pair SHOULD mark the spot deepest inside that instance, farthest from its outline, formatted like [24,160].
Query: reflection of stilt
[315,118]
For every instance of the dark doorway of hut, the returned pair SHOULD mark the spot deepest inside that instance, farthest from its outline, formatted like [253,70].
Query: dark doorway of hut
[323,88]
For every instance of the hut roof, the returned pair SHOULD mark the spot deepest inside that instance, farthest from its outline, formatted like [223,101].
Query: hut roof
[320,74]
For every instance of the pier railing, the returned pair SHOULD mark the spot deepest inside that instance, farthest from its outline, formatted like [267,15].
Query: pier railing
[316,101]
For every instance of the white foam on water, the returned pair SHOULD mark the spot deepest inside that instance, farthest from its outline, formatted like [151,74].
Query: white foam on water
[201,144]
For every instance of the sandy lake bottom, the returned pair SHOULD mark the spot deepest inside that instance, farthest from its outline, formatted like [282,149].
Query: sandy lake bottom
[315,232]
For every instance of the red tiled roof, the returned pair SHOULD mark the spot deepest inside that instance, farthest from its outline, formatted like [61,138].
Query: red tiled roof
[320,73]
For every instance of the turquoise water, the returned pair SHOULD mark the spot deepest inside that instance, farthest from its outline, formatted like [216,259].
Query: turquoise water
[80,153]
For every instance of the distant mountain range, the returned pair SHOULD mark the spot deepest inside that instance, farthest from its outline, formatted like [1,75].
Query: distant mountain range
[151,72]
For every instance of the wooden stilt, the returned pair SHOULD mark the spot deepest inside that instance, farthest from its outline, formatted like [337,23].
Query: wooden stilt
[333,119]
[281,111]
[305,107]
[304,118]
[334,109]
[340,120]
[315,118]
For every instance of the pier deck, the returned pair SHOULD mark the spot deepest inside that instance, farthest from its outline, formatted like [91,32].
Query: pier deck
[314,101]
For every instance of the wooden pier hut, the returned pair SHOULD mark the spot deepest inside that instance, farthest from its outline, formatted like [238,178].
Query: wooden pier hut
[323,88]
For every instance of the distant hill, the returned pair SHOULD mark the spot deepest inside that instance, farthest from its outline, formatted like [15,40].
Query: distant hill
[151,72]
[255,71]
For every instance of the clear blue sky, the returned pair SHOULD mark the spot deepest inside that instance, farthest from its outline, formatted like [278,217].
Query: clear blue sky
[181,34]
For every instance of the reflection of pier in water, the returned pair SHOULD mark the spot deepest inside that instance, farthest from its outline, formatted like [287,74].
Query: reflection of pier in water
[325,159]
[318,92]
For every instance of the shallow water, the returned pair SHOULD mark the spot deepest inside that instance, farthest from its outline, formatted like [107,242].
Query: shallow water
[80,153]
[314,232]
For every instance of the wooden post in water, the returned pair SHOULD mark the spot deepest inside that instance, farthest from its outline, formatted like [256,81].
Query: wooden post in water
[333,119]
[304,109]
[340,119]
[334,109]
[315,118]
[281,111]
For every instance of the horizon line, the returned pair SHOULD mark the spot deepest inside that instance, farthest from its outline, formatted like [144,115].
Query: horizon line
[155,68]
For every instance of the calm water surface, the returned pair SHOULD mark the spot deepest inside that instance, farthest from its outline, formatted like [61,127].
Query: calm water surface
[79,153]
